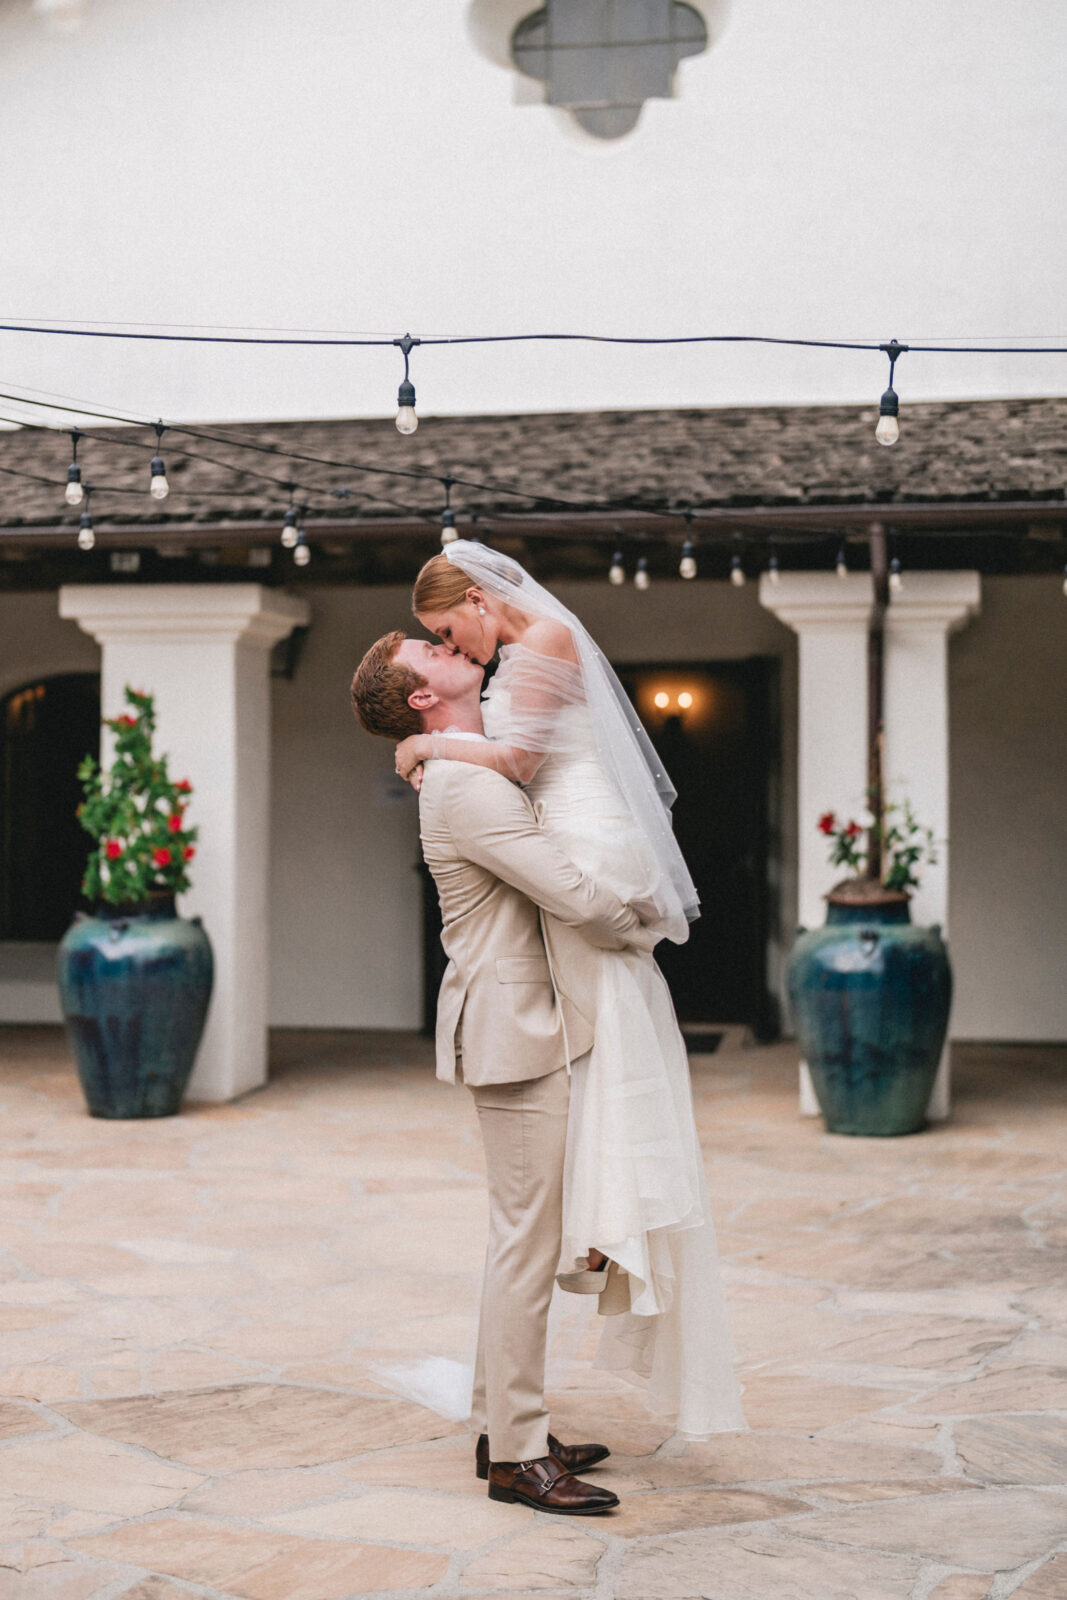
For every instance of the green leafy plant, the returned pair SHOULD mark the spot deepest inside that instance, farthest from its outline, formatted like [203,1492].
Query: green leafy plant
[905,844]
[136,813]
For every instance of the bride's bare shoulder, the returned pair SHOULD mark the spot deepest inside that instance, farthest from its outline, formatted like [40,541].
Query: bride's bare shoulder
[550,638]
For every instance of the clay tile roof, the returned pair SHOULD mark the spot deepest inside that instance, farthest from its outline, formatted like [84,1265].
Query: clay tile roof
[985,450]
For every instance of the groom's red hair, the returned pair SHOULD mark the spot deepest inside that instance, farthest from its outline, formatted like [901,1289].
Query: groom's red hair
[380,690]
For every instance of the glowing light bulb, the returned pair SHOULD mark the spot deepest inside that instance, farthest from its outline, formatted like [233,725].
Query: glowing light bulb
[772,570]
[617,572]
[641,576]
[737,573]
[687,567]
[896,577]
[685,699]
[290,531]
[302,554]
[449,531]
[86,536]
[158,488]
[662,700]
[73,494]
[406,420]
[842,565]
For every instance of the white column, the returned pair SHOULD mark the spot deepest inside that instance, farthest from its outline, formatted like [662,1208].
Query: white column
[921,615]
[203,651]
[831,617]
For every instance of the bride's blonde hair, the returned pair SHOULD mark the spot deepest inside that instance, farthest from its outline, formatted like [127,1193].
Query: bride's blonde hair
[440,586]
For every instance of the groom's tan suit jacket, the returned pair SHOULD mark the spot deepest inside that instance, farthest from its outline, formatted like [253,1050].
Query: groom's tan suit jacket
[513,1005]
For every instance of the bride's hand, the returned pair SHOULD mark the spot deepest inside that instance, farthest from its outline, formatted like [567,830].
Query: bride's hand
[411,753]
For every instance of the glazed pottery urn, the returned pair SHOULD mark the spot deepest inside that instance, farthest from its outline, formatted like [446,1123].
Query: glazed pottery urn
[134,984]
[870,994]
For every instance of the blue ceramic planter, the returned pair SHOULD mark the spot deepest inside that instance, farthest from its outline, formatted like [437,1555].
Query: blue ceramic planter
[870,997]
[134,985]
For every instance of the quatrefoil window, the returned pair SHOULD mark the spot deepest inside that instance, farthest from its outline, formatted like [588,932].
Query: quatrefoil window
[602,59]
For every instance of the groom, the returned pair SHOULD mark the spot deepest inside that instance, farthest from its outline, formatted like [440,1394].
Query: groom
[515,1009]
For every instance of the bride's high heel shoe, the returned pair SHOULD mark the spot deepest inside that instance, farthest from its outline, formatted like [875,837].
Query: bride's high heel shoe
[585,1280]
[610,1281]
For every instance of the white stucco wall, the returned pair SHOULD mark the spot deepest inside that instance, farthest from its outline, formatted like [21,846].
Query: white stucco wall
[828,170]
[1008,814]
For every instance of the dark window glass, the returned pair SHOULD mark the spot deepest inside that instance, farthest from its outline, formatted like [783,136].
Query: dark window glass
[46,728]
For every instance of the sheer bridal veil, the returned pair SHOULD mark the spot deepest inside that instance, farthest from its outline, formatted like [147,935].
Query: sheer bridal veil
[622,745]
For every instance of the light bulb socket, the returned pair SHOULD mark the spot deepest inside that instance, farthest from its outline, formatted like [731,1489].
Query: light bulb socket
[405,395]
[86,520]
[889,405]
[74,473]
[156,469]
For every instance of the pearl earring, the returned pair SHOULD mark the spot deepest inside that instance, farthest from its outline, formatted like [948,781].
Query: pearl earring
[481,611]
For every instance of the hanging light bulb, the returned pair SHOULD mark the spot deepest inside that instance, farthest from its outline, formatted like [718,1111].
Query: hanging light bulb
[687,567]
[641,576]
[86,536]
[73,493]
[737,573]
[772,569]
[842,565]
[301,551]
[896,577]
[617,572]
[449,531]
[406,420]
[158,486]
[888,430]
[291,525]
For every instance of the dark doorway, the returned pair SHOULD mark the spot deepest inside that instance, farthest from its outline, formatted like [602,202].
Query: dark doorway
[46,728]
[715,725]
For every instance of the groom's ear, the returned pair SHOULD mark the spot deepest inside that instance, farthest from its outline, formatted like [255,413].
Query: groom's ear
[422,698]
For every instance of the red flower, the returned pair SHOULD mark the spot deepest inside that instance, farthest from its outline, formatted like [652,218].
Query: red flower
[126,722]
[827,822]
[161,856]
[113,849]
[189,852]
[184,787]
[852,829]
[174,822]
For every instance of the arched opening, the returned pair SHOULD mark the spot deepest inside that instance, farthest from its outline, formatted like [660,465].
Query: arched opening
[46,728]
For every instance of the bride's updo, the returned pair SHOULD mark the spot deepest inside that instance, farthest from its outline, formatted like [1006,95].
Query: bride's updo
[440,586]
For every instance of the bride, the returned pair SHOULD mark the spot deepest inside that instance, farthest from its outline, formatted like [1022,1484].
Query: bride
[636,1221]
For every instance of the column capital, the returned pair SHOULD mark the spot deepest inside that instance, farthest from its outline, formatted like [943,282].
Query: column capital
[229,612]
[819,602]
[935,602]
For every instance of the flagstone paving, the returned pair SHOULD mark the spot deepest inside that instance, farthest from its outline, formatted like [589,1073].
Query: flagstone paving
[212,1329]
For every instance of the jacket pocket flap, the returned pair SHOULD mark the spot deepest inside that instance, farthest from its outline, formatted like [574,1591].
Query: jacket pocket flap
[523,969]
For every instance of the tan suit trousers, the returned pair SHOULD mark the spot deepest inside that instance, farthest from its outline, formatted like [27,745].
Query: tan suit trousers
[524,1131]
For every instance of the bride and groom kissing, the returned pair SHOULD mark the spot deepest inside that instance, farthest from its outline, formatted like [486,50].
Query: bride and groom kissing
[544,819]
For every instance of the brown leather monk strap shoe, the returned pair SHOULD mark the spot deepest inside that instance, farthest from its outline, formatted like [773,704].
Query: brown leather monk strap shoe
[575,1457]
[546,1486]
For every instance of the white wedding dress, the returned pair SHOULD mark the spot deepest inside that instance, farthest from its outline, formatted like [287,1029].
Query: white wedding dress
[634,1183]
